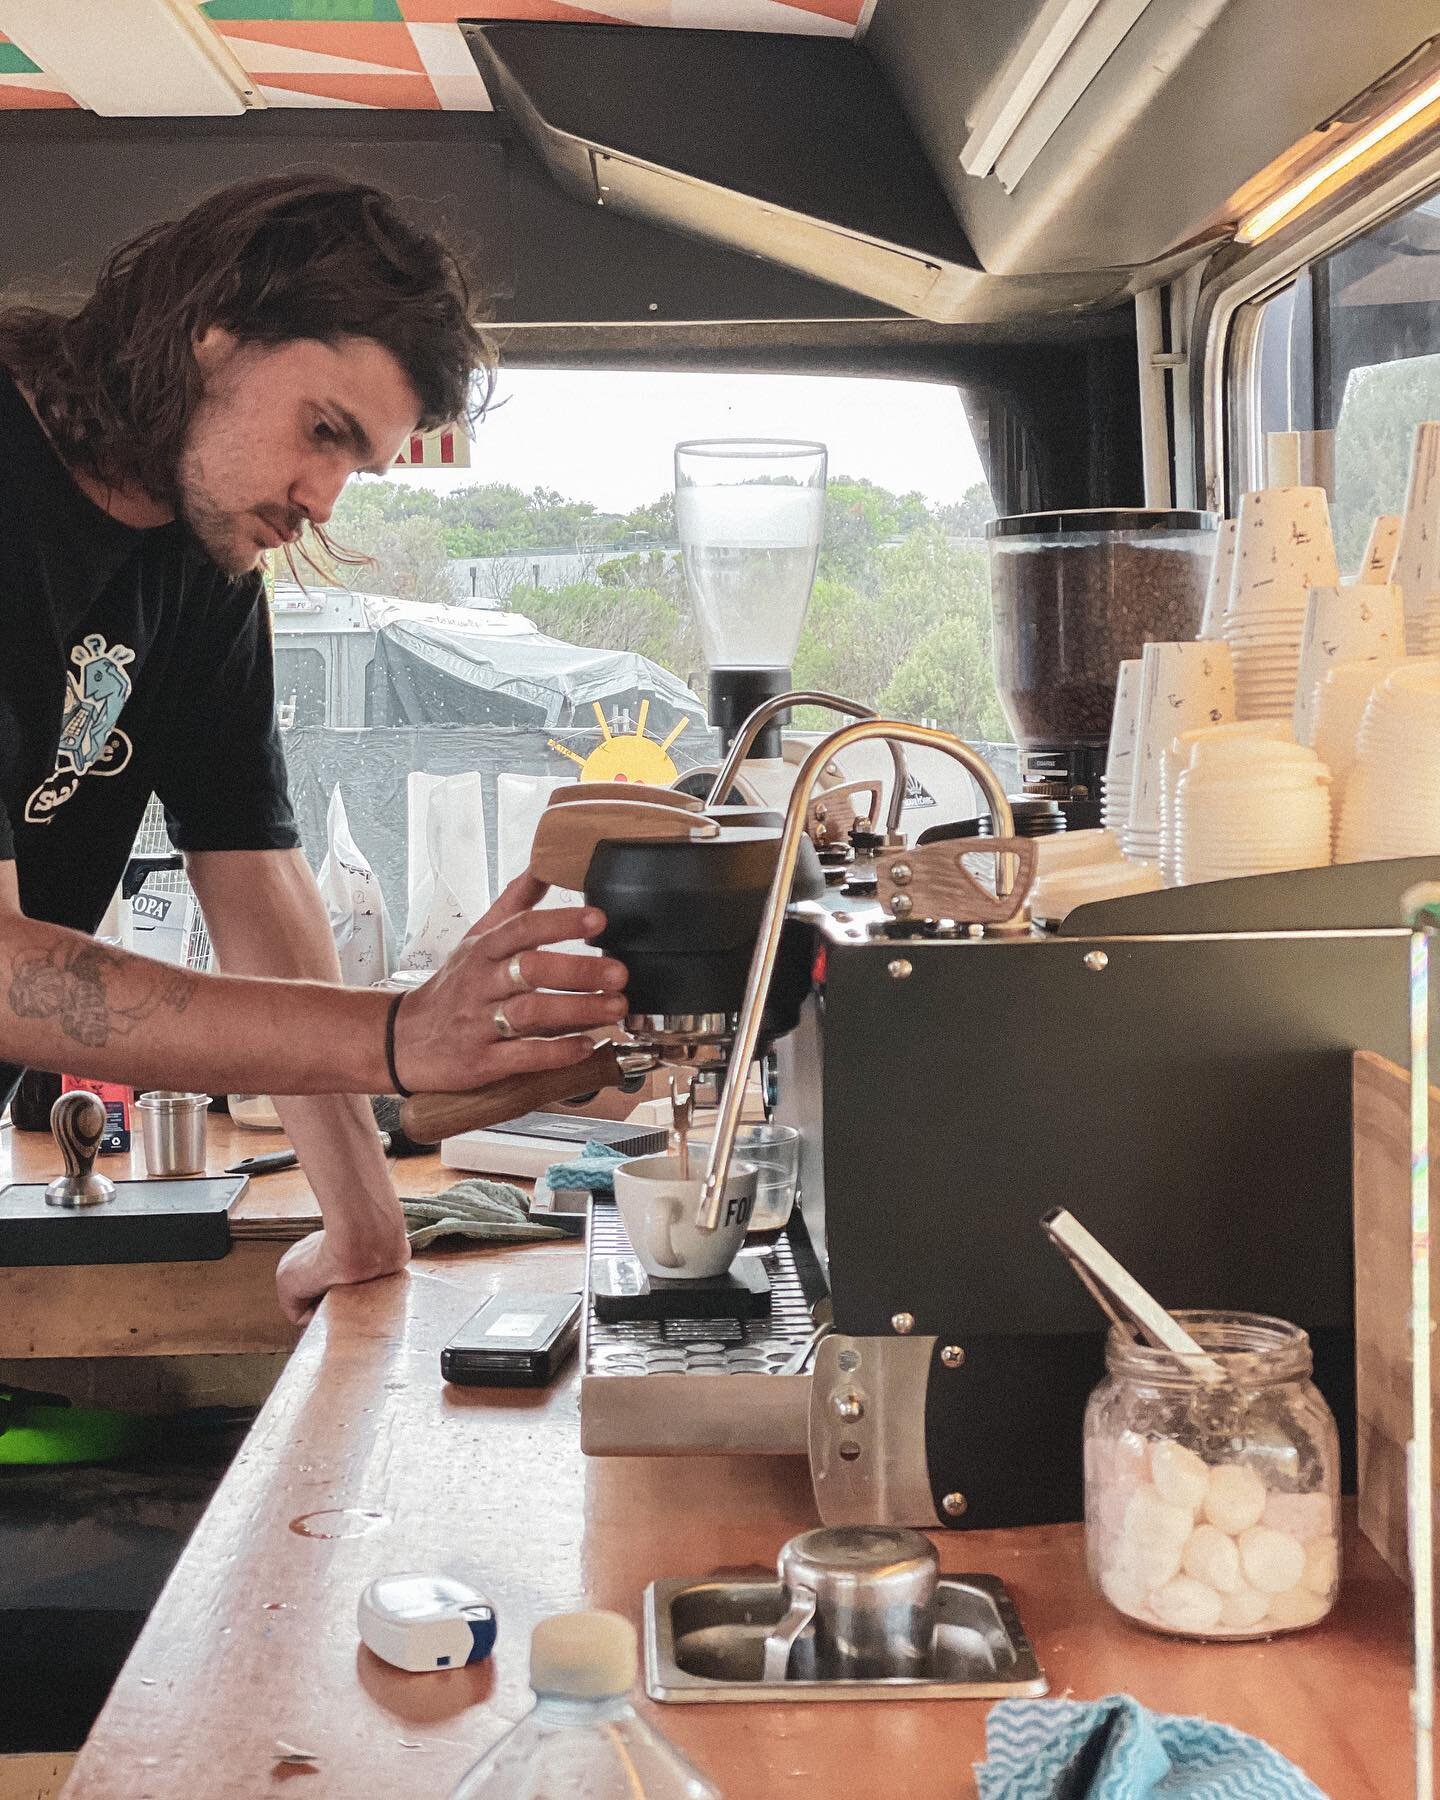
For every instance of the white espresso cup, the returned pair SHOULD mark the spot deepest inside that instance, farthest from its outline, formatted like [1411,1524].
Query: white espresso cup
[658,1203]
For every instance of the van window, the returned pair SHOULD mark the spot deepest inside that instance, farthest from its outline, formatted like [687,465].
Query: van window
[500,627]
[1348,354]
[565,521]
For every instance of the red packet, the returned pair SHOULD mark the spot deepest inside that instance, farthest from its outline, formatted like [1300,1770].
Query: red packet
[118,1101]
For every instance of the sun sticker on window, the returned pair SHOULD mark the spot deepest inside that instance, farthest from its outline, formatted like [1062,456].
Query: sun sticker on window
[623,755]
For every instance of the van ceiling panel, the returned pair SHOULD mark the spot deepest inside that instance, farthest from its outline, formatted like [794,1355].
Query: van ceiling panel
[73,186]
[407,54]
[1143,161]
[789,149]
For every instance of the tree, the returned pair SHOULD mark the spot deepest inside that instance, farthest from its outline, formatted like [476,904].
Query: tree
[463,542]
[917,644]
[498,579]
[898,619]
[970,514]
[407,559]
[608,618]
[655,569]
[947,677]
[1378,416]
[859,517]
[657,521]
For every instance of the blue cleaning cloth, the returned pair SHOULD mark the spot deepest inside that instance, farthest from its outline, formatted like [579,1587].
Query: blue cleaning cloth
[591,1172]
[1115,1749]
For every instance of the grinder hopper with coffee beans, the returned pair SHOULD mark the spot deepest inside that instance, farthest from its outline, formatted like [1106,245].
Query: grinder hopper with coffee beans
[1073,594]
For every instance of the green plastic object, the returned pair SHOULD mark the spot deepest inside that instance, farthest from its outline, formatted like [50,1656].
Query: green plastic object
[38,1436]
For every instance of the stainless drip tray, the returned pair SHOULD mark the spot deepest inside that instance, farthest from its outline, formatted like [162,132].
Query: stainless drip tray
[705,1642]
[677,1386]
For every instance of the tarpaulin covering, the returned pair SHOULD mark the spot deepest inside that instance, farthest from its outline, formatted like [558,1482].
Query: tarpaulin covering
[438,665]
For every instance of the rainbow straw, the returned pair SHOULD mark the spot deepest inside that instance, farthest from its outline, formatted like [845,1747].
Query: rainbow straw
[1422,914]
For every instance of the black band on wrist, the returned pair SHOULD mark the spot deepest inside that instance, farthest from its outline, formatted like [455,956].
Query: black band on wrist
[397,1086]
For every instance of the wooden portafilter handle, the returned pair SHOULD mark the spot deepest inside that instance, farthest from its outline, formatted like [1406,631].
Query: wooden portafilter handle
[77,1121]
[429,1117]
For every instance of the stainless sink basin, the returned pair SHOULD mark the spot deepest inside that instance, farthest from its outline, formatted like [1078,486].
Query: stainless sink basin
[705,1641]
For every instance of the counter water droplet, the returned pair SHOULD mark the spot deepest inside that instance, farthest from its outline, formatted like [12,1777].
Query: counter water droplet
[341,1522]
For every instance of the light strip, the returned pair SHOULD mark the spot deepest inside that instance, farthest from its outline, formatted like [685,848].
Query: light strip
[1097,41]
[1269,217]
[1019,83]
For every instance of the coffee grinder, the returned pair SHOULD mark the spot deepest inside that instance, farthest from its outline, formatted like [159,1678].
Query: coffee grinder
[1072,595]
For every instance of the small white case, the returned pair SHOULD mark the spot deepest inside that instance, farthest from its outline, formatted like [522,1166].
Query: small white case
[423,1622]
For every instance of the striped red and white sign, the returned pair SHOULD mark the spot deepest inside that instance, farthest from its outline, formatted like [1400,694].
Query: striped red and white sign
[448,448]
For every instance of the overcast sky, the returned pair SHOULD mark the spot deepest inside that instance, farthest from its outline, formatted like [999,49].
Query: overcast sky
[610,438]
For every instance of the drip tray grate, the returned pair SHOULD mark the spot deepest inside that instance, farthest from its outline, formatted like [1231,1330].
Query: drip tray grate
[628,1401]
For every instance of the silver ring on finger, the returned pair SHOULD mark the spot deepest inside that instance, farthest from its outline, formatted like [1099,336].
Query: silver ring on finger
[503,1027]
[517,976]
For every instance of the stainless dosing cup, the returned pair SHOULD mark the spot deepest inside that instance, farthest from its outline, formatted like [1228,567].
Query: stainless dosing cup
[870,1592]
[172,1127]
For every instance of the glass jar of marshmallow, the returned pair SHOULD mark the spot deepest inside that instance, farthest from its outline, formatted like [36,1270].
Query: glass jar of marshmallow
[1212,1483]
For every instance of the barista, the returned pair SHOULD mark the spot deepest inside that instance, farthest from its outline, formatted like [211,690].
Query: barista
[207,403]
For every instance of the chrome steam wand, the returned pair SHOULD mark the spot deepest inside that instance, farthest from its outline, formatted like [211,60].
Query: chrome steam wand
[767,943]
[778,703]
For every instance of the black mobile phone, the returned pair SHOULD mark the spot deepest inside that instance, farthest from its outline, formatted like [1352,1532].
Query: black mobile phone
[515,1340]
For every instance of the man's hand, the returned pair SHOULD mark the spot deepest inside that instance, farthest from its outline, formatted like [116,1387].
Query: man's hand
[308,1270]
[480,1016]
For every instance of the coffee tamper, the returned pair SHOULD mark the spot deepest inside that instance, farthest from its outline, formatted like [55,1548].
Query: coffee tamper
[77,1121]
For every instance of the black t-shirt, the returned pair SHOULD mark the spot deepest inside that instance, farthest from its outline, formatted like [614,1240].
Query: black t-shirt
[129,664]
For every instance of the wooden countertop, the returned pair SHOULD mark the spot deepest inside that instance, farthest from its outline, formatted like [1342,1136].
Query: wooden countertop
[226,1307]
[253,1642]
[279,1206]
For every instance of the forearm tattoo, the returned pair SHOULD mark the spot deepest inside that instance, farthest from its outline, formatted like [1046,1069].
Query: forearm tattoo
[79,987]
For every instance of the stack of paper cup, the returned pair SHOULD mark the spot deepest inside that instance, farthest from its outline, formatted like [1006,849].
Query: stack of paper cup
[1345,624]
[1379,555]
[1283,548]
[1120,759]
[1416,568]
[1341,696]
[1217,593]
[1392,799]
[1251,806]
[1177,758]
[1181,686]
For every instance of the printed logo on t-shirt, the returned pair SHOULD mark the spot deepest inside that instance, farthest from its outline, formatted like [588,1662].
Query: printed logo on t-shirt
[90,742]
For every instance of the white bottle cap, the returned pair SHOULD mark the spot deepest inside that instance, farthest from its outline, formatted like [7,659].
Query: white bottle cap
[583,1655]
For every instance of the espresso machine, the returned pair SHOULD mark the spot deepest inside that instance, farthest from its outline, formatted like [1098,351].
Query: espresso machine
[1174,1068]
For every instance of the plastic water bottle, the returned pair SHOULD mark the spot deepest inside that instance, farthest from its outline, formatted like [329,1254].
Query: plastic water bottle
[583,1740]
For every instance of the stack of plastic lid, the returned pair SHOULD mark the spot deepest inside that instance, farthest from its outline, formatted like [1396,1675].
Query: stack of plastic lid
[1392,798]
[1250,806]
[1177,758]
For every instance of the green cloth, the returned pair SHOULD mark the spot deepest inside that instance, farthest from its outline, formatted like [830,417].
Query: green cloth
[479,1211]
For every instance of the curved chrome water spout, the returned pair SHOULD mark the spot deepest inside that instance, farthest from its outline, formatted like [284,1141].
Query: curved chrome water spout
[778,703]
[767,943]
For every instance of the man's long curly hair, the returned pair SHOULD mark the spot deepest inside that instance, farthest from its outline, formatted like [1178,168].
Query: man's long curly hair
[272,261]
